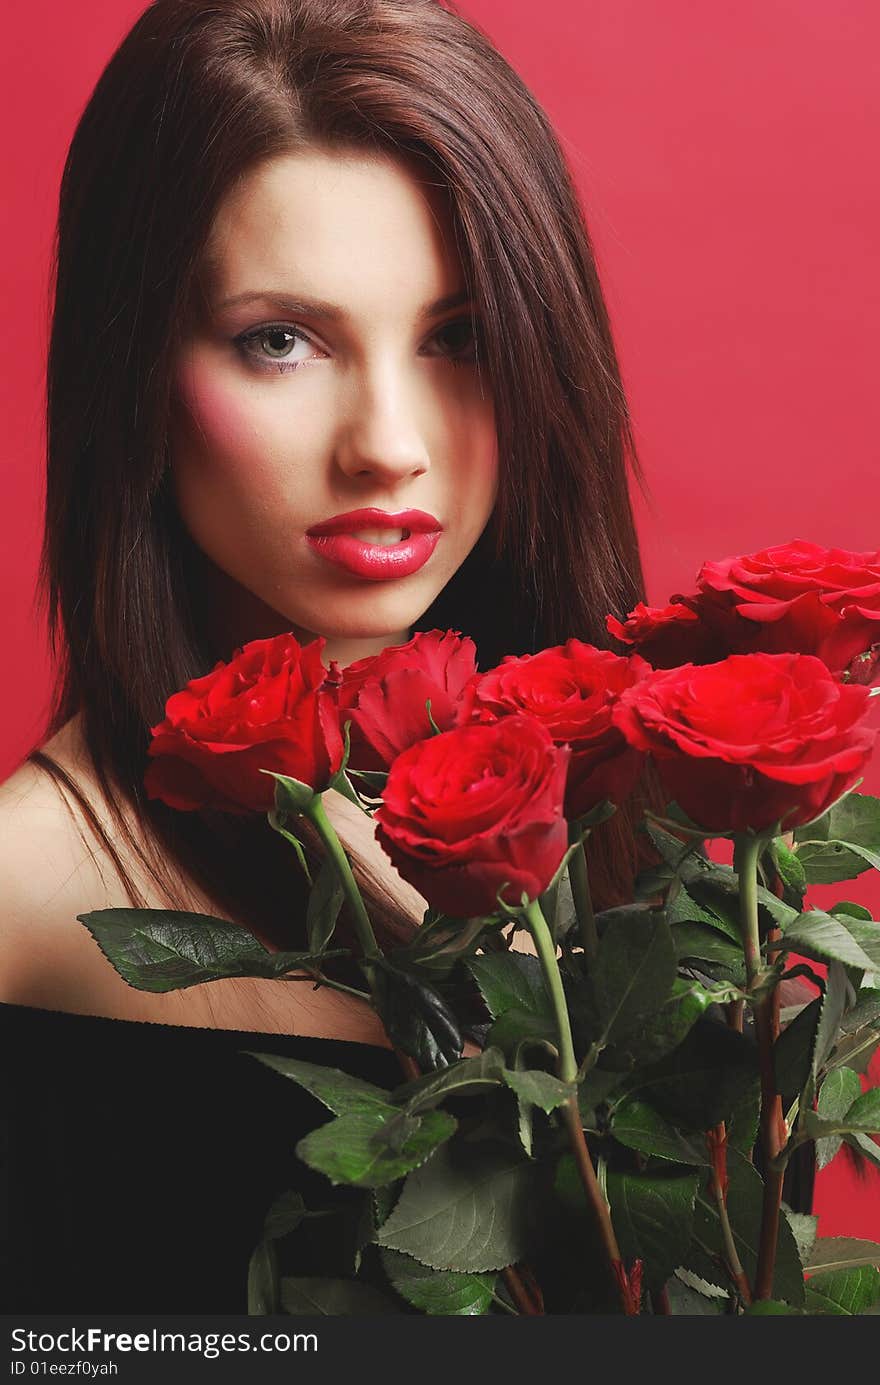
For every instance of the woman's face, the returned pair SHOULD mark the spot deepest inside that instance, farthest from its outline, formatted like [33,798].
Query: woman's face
[327,377]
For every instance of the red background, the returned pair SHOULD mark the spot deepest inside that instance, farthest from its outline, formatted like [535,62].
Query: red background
[726,156]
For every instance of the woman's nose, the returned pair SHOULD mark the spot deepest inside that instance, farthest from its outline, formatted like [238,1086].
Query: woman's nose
[382,437]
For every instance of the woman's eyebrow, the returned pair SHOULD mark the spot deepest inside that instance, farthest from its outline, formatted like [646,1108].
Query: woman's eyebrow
[331,312]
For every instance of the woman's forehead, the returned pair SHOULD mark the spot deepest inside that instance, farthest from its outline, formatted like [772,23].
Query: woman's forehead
[349,228]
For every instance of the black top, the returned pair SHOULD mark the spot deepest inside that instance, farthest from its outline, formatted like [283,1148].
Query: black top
[138,1160]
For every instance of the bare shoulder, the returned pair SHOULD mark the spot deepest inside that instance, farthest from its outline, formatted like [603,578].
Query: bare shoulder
[50,873]
[52,869]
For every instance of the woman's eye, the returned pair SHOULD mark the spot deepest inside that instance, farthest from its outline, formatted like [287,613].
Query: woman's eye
[460,340]
[273,344]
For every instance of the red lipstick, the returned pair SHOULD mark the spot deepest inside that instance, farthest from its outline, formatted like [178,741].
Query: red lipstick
[334,539]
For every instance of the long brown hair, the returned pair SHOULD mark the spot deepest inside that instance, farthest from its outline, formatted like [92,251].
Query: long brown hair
[196,94]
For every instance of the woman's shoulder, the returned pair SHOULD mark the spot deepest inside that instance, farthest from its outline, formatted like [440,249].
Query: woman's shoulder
[53,869]
[50,872]
[45,868]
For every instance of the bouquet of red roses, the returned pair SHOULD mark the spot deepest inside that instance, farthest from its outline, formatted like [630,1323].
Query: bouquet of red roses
[620,1140]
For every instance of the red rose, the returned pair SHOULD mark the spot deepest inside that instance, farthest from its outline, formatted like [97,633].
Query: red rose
[756,738]
[571,689]
[465,811]
[668,635]
[799,596]
[794,598]
[385,695]
[270,708]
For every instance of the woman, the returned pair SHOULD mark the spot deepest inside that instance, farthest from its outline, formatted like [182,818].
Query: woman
[379,154]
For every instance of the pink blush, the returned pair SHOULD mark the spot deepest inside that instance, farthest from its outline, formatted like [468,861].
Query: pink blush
[216,408]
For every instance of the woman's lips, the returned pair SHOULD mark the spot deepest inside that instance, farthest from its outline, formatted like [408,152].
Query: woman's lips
[374,561]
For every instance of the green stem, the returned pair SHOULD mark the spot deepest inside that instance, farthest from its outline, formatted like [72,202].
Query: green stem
[496,1298]
[568,1070]
[731,1256]
[327,832]
[546,950]
[746,852]
[320,980]
[583,904]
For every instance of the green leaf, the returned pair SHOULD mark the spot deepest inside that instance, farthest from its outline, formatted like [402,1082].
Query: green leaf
[277,822]
[803,1228]
[817,1127]
[596,1088]
[859,1032]
[850,910]
[517,1029]
[871,857]
[333,1298]
[719,888]
[864,1146]
[793,1052]
[374,781]
[466,1077]
[638,1126]
[841,1253]
[825,938]
[511,979]
[652,1214]
[854,817]
[325,902]
[866,1010]
[437,1292]
[684,908]
[662,1031]
[620,914]
[864,1113]
[163,950]
[837,1094]
[342,784]
[382,1202]
[854,821]
[263,1287]
[697,943]
[537,1088]
[703,1080]
[844,1292]
[340,1092]
[557,906]
[844,843]
[416,1017]
[284,1216]
[685,859]
[790,866]
[470,1215]
[372,1148]
[686,1301]
[867,934]
[827,863]
[291,795]
[436,948]
[856,1050]
[263,1283]
[742,1127]
[745,1194]
[838,995]
[634,973]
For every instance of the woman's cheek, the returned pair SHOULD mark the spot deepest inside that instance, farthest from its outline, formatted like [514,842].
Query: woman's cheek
[231,431]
